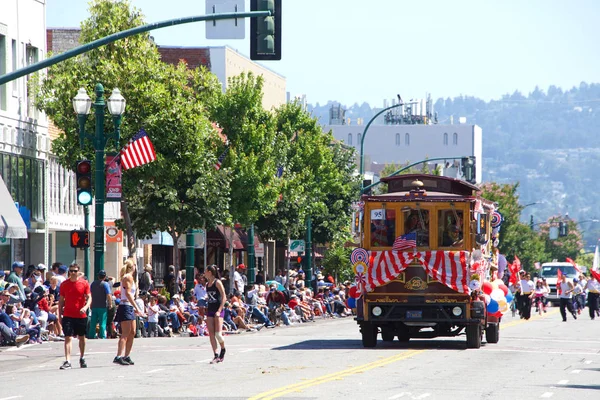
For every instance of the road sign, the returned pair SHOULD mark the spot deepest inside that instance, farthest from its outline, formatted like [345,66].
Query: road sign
[259,249]
[225,28]
[297,245]
[80,239]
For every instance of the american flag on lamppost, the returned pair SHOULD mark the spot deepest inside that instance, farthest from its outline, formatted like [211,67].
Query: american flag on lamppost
[138,151]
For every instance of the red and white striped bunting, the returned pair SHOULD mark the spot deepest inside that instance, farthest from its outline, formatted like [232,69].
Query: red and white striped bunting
[448,267]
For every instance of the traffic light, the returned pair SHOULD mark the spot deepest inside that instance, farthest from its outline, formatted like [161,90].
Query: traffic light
[265,32]
[563,229]
[80,238]
[83,174]
[467,165]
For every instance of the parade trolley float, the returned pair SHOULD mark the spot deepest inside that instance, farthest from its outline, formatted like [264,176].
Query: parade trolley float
[427,262]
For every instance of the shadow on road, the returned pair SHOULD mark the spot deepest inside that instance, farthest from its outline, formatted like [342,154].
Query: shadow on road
[348,344]
[585,387]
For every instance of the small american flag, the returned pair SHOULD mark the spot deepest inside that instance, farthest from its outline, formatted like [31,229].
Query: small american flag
[138,151]
[405,242]
[221,159]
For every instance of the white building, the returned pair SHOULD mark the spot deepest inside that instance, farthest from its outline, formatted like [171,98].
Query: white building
[400,144]
[24,141]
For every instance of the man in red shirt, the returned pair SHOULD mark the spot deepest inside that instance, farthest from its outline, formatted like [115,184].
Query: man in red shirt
[75,301]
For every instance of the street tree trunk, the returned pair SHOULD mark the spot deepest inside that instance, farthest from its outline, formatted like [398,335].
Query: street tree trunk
[131,239]
[231,267]
[287,271]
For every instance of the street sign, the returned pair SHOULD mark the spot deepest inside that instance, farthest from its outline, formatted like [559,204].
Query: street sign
[80,239]
[259,249]
[225,28]
[297,245]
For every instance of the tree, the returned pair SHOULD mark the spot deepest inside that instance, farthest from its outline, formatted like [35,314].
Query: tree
[515,238]
[250,130]
[317,179]
[181,189]
[564,246]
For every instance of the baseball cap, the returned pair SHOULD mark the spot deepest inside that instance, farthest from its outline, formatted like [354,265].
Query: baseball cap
[18,264]
[2,273]
[62,268]
[102,273]
[40,267]
[241,266]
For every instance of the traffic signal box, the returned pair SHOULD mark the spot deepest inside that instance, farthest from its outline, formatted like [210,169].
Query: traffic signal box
[265,32]
[80,238]
[467,165]
[83,173]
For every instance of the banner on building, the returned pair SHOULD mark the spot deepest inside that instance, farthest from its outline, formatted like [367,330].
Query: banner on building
[114,188]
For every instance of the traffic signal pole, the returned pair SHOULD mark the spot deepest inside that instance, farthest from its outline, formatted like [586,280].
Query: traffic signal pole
[86,250]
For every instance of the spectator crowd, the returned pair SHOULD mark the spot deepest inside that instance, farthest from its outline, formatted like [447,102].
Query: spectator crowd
[29,301]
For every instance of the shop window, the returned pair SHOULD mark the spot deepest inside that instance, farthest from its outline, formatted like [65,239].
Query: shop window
[350,139]
[450,228]
[383,228]
[407,139]
[445,139]
[455,138]
[397,139]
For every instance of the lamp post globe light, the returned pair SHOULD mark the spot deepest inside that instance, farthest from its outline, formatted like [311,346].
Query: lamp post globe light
[116,106]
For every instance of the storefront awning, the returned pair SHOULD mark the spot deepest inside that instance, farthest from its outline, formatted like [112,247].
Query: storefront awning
[11,222]
[159,238]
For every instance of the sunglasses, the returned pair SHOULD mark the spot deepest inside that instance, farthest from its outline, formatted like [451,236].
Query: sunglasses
[72,271]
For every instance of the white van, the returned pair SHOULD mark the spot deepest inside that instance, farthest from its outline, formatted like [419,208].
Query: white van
[549,272]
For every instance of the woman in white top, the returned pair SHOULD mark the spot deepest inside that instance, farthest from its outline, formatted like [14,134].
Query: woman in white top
[566,298]
[126,312]
[593,288]
[538,296]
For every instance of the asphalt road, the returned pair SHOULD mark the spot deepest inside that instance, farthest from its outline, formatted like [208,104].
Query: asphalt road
[540,358]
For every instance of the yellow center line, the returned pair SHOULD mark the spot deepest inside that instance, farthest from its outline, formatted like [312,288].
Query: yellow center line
[297,387]
[522,321]
[271,394]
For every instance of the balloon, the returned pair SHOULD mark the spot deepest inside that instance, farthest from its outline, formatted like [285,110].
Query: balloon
[503,306]
[497,314]
[497,294]
[351,302]
[492,307]
[474,284]
[504,288]
[509,297]
[353,293]
[499,282]
[487,287]
[487,298]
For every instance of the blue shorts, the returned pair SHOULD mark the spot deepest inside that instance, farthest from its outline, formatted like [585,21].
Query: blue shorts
[125,312]
[202,303]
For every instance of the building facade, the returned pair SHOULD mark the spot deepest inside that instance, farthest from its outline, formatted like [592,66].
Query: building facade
[24,141]
[405,143]
[225,63]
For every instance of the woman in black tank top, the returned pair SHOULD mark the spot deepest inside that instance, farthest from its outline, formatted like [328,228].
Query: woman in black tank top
[216,304]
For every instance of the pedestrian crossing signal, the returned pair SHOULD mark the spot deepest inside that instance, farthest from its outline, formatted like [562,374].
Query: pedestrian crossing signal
[80,239]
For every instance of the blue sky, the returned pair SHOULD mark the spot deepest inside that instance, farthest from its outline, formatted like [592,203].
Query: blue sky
[355,51]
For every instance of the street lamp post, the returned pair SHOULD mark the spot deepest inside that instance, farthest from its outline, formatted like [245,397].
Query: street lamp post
[362,139]
[116,106]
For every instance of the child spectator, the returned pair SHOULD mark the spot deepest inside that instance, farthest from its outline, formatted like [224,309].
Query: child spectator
[153,311]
